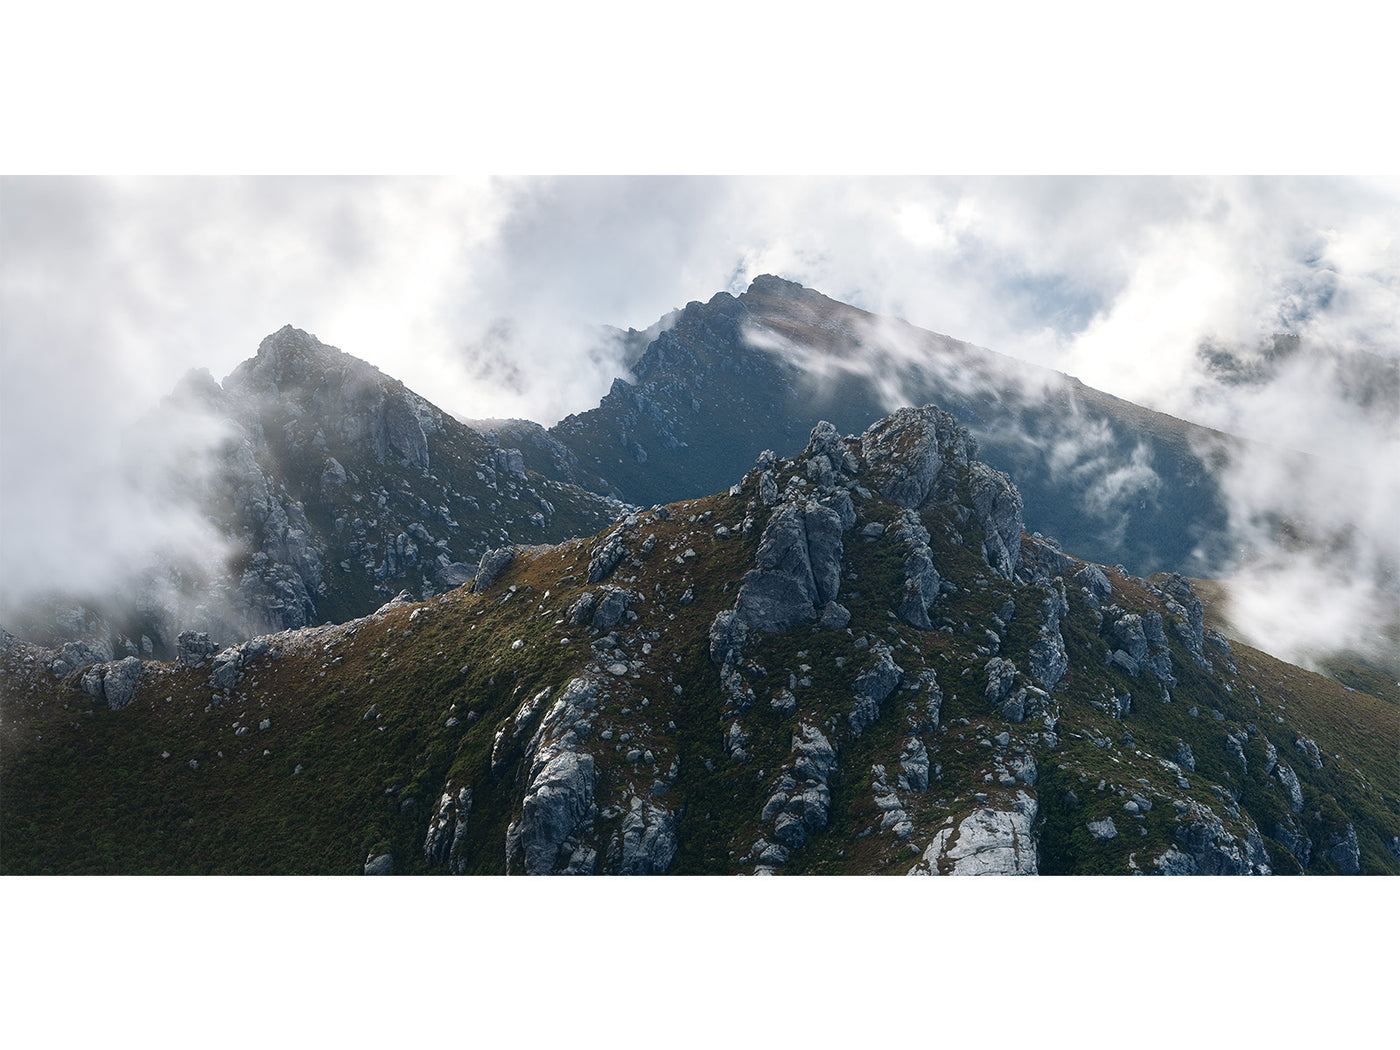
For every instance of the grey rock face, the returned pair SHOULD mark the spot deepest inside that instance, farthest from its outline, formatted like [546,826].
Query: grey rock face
[1292,838]
[119,683]
[114,683]
[227,670]
[914,765]
[1131,638]
[607,557]
[1234,744]
[893,817]
[921,579]
[906,453]
[76,655]
[826,442]
[1210,849]
[448,829]
[998,507]
[1183,756]
[1048,659]
[1102,830]
[1141,642]
[823,528]
[1001,676]
[924,717]
[727,634]
[510,462]
[815,757]
[1289,780]
[581,611]
[1092,577]
[767,489]
[1345,852]
[194,647]
[493,563]
[1043,558]
[383,864]
[872,687]
[559,787]
[989,842]
[648,840]
[800,802]
[611,609]
[833,617]
[798,568]
[559,797]
[1309,750]
[1270,757]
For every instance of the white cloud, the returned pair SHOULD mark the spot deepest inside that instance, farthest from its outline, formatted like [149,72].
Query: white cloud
[485,295]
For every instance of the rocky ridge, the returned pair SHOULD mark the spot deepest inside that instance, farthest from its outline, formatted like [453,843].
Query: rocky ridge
[335,488]
[852,660]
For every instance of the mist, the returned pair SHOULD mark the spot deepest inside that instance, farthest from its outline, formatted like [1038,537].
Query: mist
[488,296]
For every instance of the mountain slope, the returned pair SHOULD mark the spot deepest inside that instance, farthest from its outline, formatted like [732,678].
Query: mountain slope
[853,660]
[733,376]
[334,487]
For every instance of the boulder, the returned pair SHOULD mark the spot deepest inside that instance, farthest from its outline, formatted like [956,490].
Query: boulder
[192,648]
[611,609]
[381,864]
[447,830]
[1345,852]
[119,683]
[606,558]
[990,841]
[648,840]
[558,797]
[998,507]
[493,563]
[1102,830]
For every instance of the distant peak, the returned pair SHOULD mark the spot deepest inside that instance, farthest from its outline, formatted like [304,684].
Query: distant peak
[287,338]
[768,284]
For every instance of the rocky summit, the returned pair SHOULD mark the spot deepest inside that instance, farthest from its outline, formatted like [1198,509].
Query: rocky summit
[334,487]
[851,659]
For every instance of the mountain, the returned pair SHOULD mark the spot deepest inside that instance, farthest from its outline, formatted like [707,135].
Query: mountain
[851,660]
[333,487]
[725,379]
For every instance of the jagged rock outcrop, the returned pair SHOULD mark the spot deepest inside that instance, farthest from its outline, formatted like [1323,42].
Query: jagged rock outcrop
[999,507]
[647,843]
[114,683]
[872,687]
[1137,642]
[798,568]
[194,647]
[447,830]
[559,786]
[493,563]
[800,801]
[991,841]
[1048,659]
[1203,846]
[1345,851]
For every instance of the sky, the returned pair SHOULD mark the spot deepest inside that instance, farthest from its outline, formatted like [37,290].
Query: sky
[488,295]
[113,283]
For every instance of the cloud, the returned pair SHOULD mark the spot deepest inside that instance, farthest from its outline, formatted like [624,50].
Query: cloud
[487,295]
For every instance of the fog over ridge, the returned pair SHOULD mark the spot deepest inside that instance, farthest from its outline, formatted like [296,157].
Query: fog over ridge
[488,296]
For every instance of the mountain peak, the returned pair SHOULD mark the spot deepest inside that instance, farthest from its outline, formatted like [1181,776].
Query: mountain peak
[290,356]
[287,339]
[770,284]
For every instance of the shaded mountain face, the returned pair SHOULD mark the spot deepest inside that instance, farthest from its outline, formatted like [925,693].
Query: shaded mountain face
[334,488]
[730,377]
[852,660]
